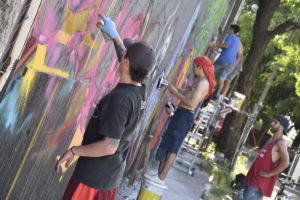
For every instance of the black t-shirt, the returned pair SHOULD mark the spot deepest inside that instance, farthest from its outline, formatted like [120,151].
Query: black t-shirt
[115,116]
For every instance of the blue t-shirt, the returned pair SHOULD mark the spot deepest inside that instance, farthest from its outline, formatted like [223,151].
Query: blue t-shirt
[228,55]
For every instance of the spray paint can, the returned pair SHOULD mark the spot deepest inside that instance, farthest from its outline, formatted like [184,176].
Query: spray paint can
[105,35]
[170,105]
[161,82]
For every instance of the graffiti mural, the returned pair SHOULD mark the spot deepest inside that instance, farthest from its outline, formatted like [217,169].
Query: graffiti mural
[65,69]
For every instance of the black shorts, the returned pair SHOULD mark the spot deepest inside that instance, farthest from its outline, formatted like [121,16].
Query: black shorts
[178,128]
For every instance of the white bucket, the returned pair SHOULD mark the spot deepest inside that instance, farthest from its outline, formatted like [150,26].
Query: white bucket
[237,100]
[151,190]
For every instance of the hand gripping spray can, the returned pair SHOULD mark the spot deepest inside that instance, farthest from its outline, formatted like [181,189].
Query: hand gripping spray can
[161,82]
[105,35]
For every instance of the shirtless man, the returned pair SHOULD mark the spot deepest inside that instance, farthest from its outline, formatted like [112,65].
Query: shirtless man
[183,118]
[271,161]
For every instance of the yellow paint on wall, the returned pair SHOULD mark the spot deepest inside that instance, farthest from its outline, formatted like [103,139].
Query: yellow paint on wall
[184,70]
[62,37]
[77,22]
[27,83]
[174,70]
[38,63]
[90,42]
[145,24]
[40,55]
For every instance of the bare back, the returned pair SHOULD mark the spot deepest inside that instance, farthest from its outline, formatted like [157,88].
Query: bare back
[196,93]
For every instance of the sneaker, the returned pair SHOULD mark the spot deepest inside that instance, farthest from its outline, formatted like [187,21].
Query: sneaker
[155,179]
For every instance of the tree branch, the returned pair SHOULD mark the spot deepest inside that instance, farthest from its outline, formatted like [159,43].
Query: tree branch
[283,28]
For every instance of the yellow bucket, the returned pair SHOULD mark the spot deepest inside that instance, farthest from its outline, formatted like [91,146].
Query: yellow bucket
[151,190]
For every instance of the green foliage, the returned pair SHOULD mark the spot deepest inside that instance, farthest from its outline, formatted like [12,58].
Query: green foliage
[288,10]
[241,165]
[210,151]
[207,167]
[221,191]
[246,22]
[220,178]
[284,94]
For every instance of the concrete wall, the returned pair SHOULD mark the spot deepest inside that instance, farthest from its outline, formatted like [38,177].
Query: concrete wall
[10,12]
[67,67]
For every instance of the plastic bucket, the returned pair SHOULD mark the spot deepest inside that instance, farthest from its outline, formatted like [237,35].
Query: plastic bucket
[151,190]
[237,100]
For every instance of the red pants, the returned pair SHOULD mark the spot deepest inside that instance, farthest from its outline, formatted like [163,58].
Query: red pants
[78,191]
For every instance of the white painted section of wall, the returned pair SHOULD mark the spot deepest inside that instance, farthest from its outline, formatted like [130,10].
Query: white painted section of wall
[21,39]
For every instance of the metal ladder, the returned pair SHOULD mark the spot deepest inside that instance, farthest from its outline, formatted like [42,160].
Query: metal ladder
[199,132]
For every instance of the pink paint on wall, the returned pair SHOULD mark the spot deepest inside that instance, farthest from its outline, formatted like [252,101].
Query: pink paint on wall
[46,27]
[132,27]
[56,137]
[84,52]
[54,53]
[103,6]
[89,99]
[77,6]
[77,54]
[111,77]
[72,46]
[122,14]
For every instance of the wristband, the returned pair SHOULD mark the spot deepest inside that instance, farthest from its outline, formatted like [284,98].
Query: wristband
[72,151]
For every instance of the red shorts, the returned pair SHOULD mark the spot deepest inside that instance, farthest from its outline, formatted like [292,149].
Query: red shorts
[77,191]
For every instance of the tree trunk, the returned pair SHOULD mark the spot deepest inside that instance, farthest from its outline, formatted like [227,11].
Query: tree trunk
[233,124]
[296,142]
[264,130]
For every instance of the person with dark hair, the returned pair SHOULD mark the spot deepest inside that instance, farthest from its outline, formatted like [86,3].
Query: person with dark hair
[105,145]
[235,28]
[227,60]
[183,118]
[271,161]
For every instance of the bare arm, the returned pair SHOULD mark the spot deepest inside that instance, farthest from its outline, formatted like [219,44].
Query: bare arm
[239,56]
[119,47]
[105,147]
[284,160]
[218,44]
[198,94]
[178,93]
[108,27]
